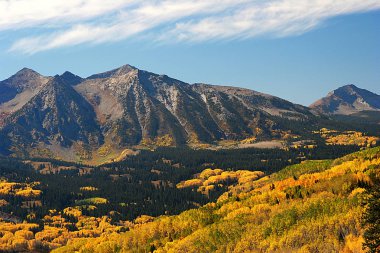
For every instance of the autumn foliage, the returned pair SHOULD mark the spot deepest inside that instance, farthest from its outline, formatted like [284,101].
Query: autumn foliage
[311,207]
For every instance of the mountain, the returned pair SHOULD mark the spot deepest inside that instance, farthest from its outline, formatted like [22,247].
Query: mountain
[19,89]
[135,105]
[347,100]
[56,114]
[99,117]
[24,81]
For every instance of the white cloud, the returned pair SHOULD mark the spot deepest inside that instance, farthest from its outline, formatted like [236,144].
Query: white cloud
[281,18]
[16,14]
[72,22]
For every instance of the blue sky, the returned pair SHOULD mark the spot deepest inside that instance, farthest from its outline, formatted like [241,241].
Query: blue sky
[297,50]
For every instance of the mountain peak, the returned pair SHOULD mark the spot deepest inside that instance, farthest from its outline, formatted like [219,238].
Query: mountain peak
[349,88]
[25,78]
[126,68]
[26,73]
[352,86]
[71,78]
[123,70]
[25,69]
[68,73]
[346,100]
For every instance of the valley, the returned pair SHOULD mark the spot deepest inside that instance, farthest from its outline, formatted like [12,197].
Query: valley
[165,200]
[132,161]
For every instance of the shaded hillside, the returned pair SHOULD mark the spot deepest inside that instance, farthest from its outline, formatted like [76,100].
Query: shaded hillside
[57,114]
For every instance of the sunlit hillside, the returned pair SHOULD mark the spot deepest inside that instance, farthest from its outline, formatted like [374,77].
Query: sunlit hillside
[315,206]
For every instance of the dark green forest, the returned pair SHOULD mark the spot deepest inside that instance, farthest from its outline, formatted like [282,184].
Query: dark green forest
[146,183]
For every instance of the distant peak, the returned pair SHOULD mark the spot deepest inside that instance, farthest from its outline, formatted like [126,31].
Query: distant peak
[348,99]
[71,78]
[127,66]
[123,70]
[348,89]
[26,71]
[68,73]
[24,75]
[349,86]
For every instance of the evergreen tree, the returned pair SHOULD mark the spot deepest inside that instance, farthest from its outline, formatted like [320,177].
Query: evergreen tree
[371,218]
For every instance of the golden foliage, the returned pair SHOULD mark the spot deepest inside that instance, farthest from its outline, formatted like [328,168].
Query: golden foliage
[3,202]
[88,188]
[92,201]
[312,207]
[334,137]
[142,219]
[73,211]
[26,237]
[160,141]
[249,140]
[104,150]
[19,189]
[209,179]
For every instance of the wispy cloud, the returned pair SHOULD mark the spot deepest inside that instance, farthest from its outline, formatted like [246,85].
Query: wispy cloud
[73,22]
[15,14]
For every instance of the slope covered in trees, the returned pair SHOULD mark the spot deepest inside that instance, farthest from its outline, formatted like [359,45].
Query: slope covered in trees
[371,217]
[45,203]
[315,206]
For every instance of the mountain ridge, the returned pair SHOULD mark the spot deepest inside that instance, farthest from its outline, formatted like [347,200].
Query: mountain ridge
[127,107]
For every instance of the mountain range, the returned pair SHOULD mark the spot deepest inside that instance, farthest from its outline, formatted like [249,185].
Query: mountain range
[67,116]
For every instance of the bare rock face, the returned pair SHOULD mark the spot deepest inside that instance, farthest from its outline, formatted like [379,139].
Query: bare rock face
[134,105]
[56,113]
[127,106]
[19,89]
[347,100]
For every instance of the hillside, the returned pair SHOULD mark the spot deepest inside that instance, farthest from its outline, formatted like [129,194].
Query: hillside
[347,100]
[311,207]
[52,201]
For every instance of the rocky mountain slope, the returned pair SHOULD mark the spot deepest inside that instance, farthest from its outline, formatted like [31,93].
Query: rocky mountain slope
[73,118]
[56,114]
[18,90]
[135,105]
[347,100]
